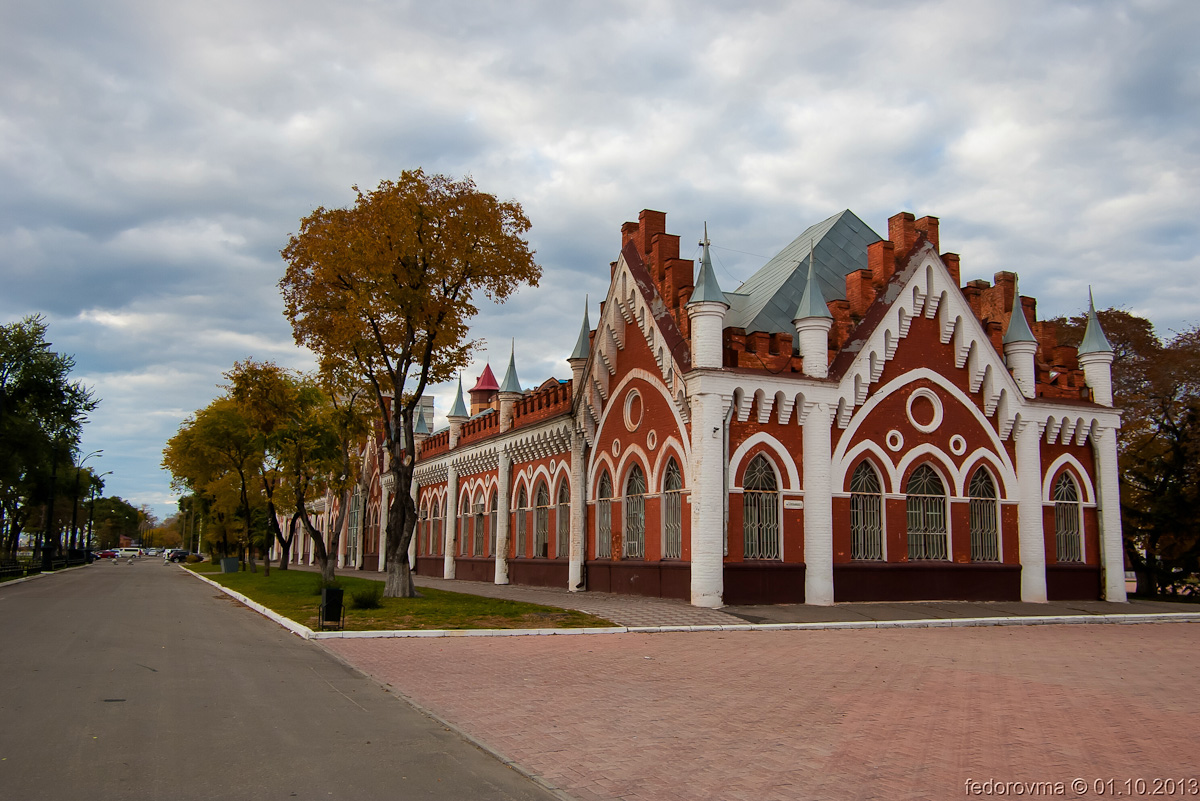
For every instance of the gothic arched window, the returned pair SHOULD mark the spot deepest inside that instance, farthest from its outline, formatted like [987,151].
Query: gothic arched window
[562,529]
[984,512]
[672,506]
[519,539]
[760,510]
[926,502]
[866,513]
[604,517]
[541,531]
[635,515]
[1067,514]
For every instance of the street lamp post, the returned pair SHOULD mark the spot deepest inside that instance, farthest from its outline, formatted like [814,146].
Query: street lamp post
[92,508]
[73,540]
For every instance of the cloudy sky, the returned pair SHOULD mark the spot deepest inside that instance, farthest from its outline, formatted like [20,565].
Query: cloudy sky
[154,157]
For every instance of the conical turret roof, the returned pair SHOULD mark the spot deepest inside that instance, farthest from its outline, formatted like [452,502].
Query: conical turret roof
[1094,340]
[707,289]
[1018,327]
[511,382]
[486,382]
[459,409]
[583,344]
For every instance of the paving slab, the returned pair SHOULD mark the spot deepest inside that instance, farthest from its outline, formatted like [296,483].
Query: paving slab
[850,714]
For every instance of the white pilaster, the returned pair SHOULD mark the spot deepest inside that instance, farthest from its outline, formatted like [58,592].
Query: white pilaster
[502,516]
[818,506]
[1031,535]
[1108,487]
[578,515]
[451,528]
[708,495]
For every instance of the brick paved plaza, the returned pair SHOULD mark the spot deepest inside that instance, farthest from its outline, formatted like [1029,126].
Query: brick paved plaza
[866,714]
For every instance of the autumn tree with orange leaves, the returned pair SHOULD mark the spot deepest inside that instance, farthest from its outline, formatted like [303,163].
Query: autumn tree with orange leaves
[385,290]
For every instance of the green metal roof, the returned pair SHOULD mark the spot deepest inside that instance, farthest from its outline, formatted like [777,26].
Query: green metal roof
[769,299]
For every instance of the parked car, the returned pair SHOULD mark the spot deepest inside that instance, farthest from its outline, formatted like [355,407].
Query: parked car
[151,552]
[106,554]
[175,555]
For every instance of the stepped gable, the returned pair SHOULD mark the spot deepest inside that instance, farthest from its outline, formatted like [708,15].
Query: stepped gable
[767,301]
[664,279]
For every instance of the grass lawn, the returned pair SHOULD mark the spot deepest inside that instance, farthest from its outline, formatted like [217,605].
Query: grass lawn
[296,594]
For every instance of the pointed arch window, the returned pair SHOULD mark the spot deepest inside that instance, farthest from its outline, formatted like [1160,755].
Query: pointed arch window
[492,523]
[519,539]
[760,510]
[604,517]
[866,514]
[422,531]
[480,534]
[984,513]
[562,532]
[926,502]
[634,542]
[354,528]
[435,544]
[1067,514]
[541,531]
[672,504]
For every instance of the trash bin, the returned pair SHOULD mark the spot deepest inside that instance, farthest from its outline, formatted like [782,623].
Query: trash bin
[331,606]
[229,564]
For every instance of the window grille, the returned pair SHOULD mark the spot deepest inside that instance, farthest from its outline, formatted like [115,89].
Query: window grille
[926,515]
[436,531]
[985,529]
[464,529]
[866,514]
[541,531]
[423,538]
[354,529]
[480,534]
[1066,520]
[760,511]
[492,524]
[672,500]
[604,518]
[519,540]
[635,515]
[562,536]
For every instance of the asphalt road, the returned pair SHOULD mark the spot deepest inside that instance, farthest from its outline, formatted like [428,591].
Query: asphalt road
[140,682]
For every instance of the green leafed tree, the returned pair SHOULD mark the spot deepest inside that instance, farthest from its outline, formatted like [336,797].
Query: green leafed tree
[42,413]
[384,291]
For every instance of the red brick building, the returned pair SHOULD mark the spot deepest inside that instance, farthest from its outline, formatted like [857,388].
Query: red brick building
[852,423]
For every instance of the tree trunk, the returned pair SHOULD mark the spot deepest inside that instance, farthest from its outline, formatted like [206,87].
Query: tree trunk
[402,520]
